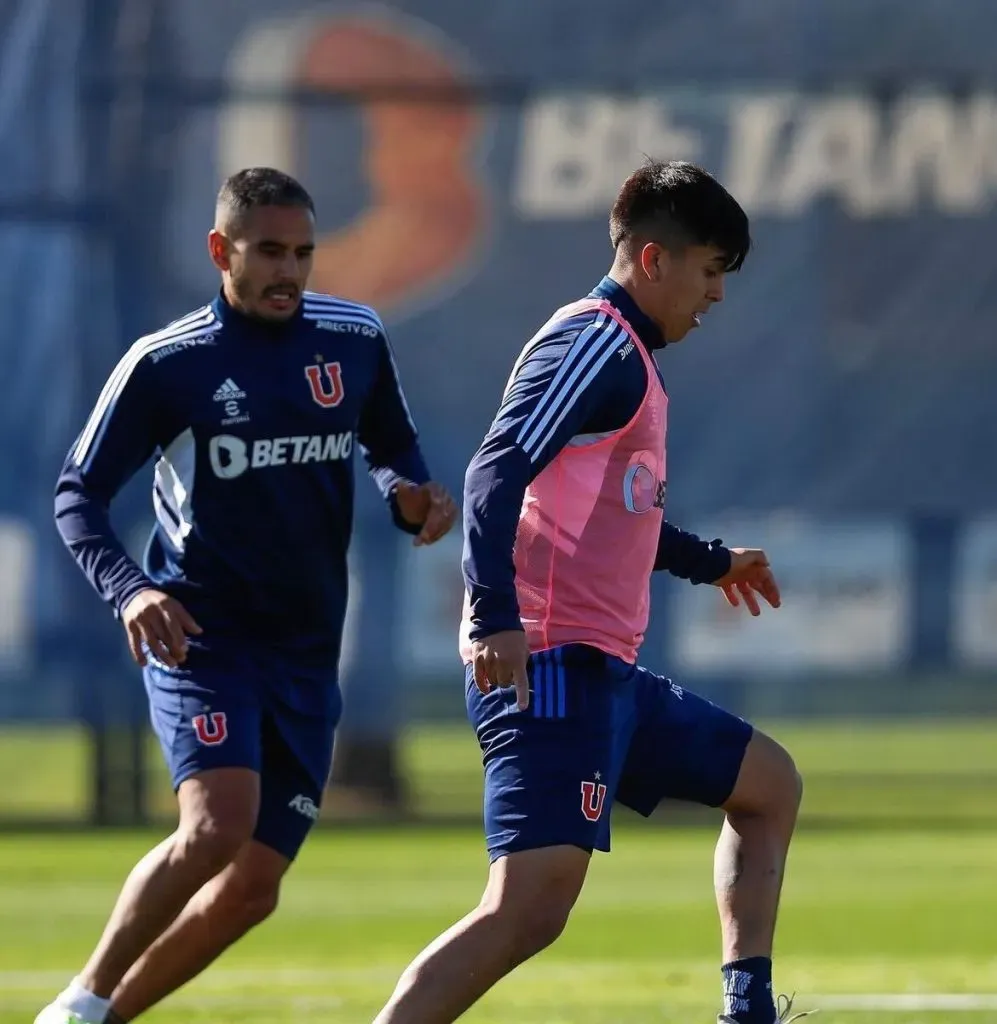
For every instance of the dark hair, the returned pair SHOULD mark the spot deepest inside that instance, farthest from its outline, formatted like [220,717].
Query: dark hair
[677,205]
[261,186]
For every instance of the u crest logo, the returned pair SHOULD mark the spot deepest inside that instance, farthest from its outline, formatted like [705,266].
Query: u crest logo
[211,729]
[327,388]
[593,799]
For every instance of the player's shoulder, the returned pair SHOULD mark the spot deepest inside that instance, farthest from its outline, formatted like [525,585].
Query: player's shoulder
[190,332]
[583,332]
[341,316]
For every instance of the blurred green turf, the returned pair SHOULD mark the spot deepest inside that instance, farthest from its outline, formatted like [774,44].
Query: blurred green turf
[862,913]
[866,772]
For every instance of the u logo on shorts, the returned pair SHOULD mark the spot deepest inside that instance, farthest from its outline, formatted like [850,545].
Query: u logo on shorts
[593,798]
[212,729]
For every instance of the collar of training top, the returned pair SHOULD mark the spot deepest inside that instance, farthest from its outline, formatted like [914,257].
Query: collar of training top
[617,295]
[230,316]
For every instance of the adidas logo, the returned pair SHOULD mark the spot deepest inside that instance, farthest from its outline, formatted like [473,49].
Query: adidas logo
[229,391]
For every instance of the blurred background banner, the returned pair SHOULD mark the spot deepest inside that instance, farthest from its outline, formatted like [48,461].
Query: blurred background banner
[838,409]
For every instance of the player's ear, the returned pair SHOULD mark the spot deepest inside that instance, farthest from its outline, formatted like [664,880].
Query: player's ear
[654,260]
[218,249]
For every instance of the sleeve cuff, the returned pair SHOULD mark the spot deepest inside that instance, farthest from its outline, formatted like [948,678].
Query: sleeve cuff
[128,591]
[412,529]
[479,630]
[714,564]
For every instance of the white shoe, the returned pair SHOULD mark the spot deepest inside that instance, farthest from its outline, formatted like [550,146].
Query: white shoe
[56,1014]
[784,1006]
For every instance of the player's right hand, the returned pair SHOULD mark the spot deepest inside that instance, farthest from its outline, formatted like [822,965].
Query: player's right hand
[500,660]
[156,621]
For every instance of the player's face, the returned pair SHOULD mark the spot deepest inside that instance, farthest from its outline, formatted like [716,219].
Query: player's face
[683,286]
[269,263]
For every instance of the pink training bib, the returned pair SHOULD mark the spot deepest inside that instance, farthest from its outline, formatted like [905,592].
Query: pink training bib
[589,528]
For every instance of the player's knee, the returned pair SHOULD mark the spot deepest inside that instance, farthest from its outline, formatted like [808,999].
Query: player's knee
[769,783]
[795,786]
[213,840]
[788,782]
[218,814]
[249,898]
[530,896]
[541,927]
[529,923]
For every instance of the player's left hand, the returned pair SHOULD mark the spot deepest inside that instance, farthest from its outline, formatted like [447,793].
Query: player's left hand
[749,575]
[429,506]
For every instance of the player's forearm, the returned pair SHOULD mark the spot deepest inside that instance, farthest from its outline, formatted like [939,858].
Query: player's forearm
[494,487]
[390,470]
[689,557]
[494,609]
[85,527]
[407,466]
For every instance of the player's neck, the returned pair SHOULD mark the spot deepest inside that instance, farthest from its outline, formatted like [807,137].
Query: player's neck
[624,276]
[250,319]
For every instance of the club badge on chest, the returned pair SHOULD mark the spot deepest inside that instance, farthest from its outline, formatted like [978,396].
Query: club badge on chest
[326,382]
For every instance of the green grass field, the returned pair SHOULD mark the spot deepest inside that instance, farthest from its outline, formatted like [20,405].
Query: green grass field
[865,773]
[876,906]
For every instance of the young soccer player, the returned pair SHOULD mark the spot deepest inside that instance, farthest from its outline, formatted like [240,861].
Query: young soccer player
[254,404]
[563,525]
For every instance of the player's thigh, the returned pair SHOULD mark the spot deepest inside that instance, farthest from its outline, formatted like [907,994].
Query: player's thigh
[206,713]
[551,770]
[683,748]
[533,892]
[220,805]
[296,760]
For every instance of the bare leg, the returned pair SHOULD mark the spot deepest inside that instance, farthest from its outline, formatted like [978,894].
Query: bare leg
[217,816]
[524,909]
[751,854]
[227,907]
[749,867]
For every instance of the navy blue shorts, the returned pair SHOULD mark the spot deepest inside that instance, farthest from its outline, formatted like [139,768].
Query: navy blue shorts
[232,706]
[597,731]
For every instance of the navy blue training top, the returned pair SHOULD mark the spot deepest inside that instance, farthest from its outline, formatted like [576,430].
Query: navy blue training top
[255,426]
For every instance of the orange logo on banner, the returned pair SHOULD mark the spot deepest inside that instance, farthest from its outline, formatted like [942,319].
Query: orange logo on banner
[427,209]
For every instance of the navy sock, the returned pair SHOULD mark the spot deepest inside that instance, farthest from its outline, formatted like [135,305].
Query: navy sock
[748,991]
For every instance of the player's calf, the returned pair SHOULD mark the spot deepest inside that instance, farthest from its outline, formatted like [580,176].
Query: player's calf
[231,904]
[217,816]
[218,811]
[749,867]
[525,907]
